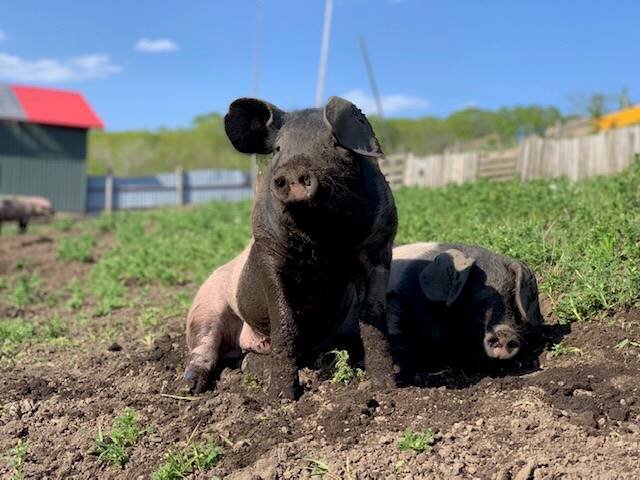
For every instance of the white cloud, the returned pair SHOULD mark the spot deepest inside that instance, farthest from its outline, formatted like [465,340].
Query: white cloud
[159,45]
[2,35]
[49,70]
[391,104]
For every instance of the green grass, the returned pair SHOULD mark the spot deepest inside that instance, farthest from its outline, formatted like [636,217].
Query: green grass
[627,343]
[77,294]
[125,432]
[196,457]
[560,349]
[16,459]
[251,380]
[169,247]
[78,249]
[14,331]
[25,291]
[419,442]
[54,328]
[582,239]
[343,372]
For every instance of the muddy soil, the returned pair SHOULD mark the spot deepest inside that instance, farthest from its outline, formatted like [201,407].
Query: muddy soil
[545,417]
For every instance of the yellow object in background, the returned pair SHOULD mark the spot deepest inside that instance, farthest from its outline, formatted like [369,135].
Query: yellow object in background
[622,118]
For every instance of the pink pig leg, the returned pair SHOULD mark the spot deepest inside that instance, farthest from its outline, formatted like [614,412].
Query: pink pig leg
[212,333]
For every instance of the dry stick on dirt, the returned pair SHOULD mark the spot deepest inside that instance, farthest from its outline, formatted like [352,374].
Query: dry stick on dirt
[179,397]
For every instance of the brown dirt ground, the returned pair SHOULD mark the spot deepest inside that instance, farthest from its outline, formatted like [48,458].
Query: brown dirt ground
[572,416]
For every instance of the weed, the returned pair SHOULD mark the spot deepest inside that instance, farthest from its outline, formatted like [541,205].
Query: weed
[419,442]
[16,331]
[16,457]
[317,467]
[64,224]
[561,349]
[26,291]
[150,318]
[3,283]
[54,328]
[343,372]
[627,343]
[251,380]
[124,433]
[78,294]
[76,249]
[194,458]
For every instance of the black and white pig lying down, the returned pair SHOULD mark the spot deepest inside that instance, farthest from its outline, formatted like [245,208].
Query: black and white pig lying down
[458,301]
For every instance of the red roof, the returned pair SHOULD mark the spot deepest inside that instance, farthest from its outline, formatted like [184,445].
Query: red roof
[48,106]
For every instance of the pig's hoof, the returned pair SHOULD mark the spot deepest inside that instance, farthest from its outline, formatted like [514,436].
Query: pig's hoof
[384,382]
[278,390]
[196,378]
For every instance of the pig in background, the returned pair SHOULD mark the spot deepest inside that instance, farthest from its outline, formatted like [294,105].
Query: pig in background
[459,304]
[22,209]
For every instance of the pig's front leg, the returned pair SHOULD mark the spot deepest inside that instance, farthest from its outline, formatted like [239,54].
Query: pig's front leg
[205,332]
[372,293]
[284,334]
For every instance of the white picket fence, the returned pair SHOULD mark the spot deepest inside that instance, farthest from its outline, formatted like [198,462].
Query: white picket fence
[604,153]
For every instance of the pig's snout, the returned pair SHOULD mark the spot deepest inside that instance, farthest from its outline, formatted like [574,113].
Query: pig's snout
[295,186]
[502,343]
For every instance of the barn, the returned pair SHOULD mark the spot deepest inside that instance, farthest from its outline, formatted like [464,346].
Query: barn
[43,144]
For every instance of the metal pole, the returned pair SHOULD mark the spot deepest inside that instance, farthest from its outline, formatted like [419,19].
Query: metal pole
[256,85]
[324,52]
[375,91]
[372,80]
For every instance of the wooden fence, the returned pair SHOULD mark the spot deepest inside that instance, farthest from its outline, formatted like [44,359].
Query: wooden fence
[604,153]
[436,170]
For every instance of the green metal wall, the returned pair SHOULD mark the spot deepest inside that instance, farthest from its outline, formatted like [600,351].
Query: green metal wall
[46,161]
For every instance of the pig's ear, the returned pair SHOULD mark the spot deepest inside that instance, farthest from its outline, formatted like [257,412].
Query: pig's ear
[526,293]
[443,279]
[251,125]
[351,128]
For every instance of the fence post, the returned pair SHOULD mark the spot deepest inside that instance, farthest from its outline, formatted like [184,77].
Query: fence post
[179,186]
[108,193]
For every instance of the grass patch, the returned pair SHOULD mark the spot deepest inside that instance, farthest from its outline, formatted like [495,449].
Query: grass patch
[419,442]
[627,343]
[78,249]
[64,224]
[16,331]
[251,380]
[125,432]
[26,291]
[54,328]
[582,239]
[560,349]
[167,247]
[343,372]
[77,295]
[194,458]
[16,458]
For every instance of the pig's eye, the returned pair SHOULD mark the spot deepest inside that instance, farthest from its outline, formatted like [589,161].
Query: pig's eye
[277,148]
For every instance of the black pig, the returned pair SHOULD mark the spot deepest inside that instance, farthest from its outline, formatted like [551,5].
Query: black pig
[323,222]
[453,300]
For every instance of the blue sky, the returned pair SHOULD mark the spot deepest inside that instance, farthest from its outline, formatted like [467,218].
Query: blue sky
[148,64]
